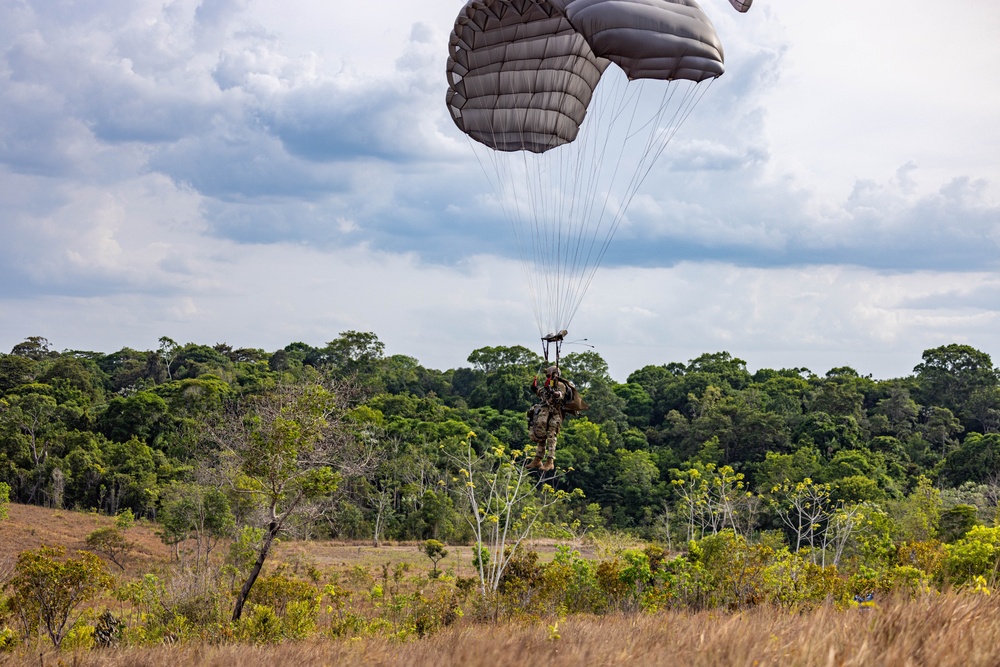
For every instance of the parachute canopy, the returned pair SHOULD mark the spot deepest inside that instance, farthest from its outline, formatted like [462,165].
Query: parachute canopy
[521,73]
[568,103]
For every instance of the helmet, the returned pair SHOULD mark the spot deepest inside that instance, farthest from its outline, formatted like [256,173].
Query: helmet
[552,371]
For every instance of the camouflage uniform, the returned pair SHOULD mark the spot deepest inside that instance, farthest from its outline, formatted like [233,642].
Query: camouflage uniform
[548,418]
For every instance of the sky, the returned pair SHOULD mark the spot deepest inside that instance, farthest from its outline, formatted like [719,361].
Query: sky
[258,172]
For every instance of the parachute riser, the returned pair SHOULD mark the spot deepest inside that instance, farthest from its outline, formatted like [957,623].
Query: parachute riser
[547,344]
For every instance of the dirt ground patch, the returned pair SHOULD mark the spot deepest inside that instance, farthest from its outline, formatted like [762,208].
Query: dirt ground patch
[30,527]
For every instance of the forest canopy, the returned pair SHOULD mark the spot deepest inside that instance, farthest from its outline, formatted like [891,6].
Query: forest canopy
[125,430]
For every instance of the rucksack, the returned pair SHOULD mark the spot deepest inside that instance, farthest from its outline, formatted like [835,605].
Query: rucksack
[573,402]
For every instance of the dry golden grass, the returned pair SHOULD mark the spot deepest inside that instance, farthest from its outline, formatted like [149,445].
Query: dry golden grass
[945,630]
[937,630]
[29,527]
[326,555]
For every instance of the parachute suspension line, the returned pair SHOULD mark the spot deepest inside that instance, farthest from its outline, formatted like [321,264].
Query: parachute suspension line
[591,229]
[562,205]
[596,135]
[656,143]
[573,174]
[501,177]
[514,191]
[590,250]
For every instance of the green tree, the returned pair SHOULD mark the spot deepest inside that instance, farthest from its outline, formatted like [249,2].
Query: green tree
[48,589]
[951,374]
[638,403]
[724,368]
[143,415]
[918,515]
[901,411]
[198,512]
[132,477]
[33,347]
[194,361]
[586,369]
[15,371]
[956,522]
[977,459]
[280,450]
[166,353]
[941,429]
[493,359]
[778,468]
[353,354]
[112,542]
[435,551]
[984,408]
[32,424]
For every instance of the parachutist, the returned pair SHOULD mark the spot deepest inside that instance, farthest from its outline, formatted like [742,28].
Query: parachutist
[558,398]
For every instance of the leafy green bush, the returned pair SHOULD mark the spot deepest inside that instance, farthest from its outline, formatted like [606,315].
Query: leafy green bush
[928,556]
[735,569]
[278,590]
[975,555]
[81,636]
[48,589]
[439,609]
[569,583]
[794,582]
[261,625]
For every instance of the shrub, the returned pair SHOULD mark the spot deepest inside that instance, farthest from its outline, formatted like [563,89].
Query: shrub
[435,551]
[975,555]
[626,579]
[110,541]
[440,609]
[735,569]
[8,640]
[928,556]
[48,588]
[277,590]
[569,583]
[81,636]
[794,582]
[261,625]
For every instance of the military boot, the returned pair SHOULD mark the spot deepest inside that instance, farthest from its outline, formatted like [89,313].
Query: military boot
[535,464]
[549,464]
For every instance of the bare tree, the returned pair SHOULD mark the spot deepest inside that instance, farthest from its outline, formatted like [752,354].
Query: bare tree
[505,501]
[805,510]
[839,530]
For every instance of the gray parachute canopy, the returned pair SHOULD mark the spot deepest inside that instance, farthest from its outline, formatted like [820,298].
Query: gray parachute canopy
[568,104]
[521,73]
[741,5]
[520,76]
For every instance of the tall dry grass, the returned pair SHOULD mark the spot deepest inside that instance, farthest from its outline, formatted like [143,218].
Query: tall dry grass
[959,630]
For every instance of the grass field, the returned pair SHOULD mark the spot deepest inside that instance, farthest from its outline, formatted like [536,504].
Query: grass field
[933,630]
[947,631]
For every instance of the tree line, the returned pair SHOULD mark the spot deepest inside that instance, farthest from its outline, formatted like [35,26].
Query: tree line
[677,451]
